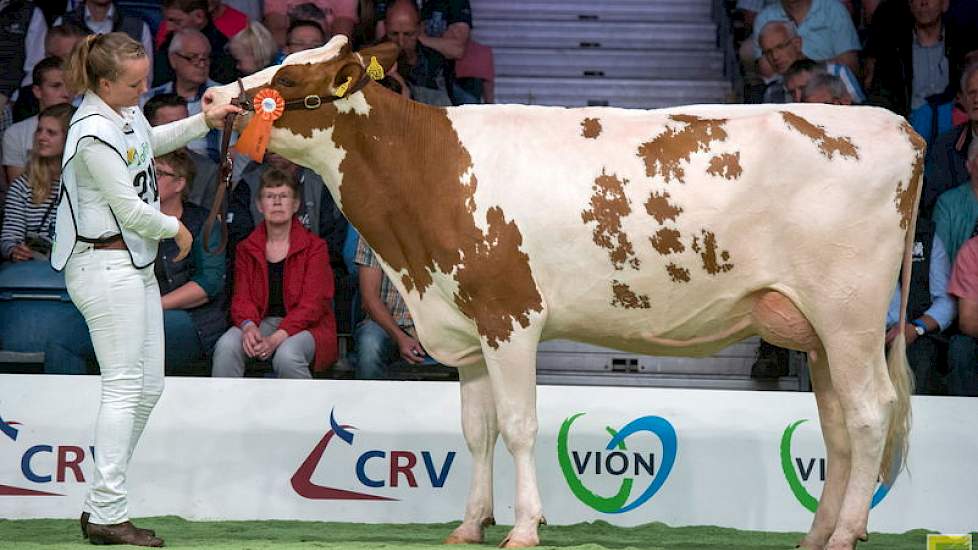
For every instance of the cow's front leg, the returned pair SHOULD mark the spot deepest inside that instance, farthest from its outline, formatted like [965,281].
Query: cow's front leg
[512,371]
[481,431]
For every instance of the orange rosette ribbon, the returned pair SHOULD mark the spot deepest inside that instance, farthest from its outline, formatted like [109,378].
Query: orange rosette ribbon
[253,141]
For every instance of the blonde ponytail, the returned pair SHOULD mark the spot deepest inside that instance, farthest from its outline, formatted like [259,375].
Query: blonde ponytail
[99,56]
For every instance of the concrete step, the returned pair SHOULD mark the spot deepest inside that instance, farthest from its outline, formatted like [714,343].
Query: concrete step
[577,62]
[588,10]
[567,356]
[591,34]
[614,92]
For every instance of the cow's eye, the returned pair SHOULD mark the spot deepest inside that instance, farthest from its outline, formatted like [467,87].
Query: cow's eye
[284,81]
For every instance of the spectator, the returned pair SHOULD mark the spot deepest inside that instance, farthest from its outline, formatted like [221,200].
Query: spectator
[962,378]
[165,108]
[475,75]
[340,16]
[947,156]
[757,71]
[29,211]
[15,20]
[49,90]
[253,49]
[387,333]
[446,24]
[304,35]
[192,289]
[227,20]
[424,69]
[918,57]
[782,47]
[59,43]
[192,15]
[930,309]
[281,307]
[190,58]
[824,26]
[957,209]
[826,88]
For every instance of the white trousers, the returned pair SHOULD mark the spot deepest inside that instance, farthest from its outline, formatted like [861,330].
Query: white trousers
[121,305]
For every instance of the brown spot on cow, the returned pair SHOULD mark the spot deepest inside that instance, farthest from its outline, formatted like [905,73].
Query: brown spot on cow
[826,144]
[419,220]
[678,274]
[726,166]
[666,241]
[906,197]
[659,207]
[625,297]
[608,206]
[714,261]
[591,128]
[666,152]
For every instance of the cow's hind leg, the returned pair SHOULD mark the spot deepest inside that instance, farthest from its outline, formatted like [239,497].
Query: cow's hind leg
[512,370]
[836,439]
[481,431]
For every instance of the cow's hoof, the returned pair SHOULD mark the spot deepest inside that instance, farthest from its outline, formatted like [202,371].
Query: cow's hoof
[466,534]
[521,538]
[840,545]
[808,544]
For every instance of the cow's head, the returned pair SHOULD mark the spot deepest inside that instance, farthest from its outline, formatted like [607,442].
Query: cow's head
[316,84]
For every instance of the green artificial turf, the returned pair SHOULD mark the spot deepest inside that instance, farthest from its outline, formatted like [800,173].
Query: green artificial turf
[50,534]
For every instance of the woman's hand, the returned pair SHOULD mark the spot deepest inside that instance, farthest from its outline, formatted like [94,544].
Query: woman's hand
[184,241]
[213,113]
[251,340]
[21,253]
[270,343]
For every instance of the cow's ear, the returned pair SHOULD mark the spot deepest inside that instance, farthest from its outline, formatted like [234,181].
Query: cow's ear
[379,59]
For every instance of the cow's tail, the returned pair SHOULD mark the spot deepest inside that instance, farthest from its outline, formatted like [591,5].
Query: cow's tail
[897,446]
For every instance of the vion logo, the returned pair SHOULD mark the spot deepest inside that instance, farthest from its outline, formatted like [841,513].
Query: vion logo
[799,470]
[41,464]
[371,468]
[619,462]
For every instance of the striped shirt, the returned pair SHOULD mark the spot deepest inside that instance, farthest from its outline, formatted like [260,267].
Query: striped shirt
[388,292]
[22,216]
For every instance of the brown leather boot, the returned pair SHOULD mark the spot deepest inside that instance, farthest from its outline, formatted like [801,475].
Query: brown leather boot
[121,533]
[83,520]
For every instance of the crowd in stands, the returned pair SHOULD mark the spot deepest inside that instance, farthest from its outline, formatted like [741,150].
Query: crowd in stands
[919,59]
[294,274]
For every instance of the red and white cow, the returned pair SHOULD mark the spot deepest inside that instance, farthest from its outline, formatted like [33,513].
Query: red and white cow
[675,232]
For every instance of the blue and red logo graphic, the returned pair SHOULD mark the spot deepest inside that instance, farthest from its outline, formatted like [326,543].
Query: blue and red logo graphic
[35,467]
[368,468]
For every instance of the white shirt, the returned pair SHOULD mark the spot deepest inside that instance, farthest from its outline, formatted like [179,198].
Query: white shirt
[18,141]
[110,194]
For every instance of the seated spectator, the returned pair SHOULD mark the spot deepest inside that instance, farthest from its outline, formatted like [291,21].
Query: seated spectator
[192,15]
[49,90]
[962,377]
[192,290]
[58,43]
[956,212]
[446,24]
[165,108]
[190,57]
[16,20]
[281,308]
[475,75]
[29,212]
[947,156]
[387,333]
[825,27]
[425,70]
[826,88]
[253,49]
[227,20]
[930,309]
[340,16]
[782,47]
[304,34]
[918,57]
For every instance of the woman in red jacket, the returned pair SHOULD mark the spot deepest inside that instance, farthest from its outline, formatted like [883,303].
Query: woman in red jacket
[281,309]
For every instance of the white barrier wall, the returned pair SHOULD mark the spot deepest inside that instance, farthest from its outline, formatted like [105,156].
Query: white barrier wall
[249,449]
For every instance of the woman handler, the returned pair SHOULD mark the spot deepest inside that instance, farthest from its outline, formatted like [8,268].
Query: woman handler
[107,232]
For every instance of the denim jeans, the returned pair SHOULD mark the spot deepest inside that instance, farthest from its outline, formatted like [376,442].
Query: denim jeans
[375,350]
[962,378]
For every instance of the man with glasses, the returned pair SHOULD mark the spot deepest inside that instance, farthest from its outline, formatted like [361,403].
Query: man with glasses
[304,35]
[190,57]
[193,15]
[825,27]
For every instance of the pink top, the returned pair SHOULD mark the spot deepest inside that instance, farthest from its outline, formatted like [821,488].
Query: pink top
[964,276]
[476,63]
[333,8]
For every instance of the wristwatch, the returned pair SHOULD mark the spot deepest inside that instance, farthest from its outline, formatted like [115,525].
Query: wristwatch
[919,327]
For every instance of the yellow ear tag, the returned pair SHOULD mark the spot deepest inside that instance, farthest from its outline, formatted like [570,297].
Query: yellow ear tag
[374,70]
[341,91]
